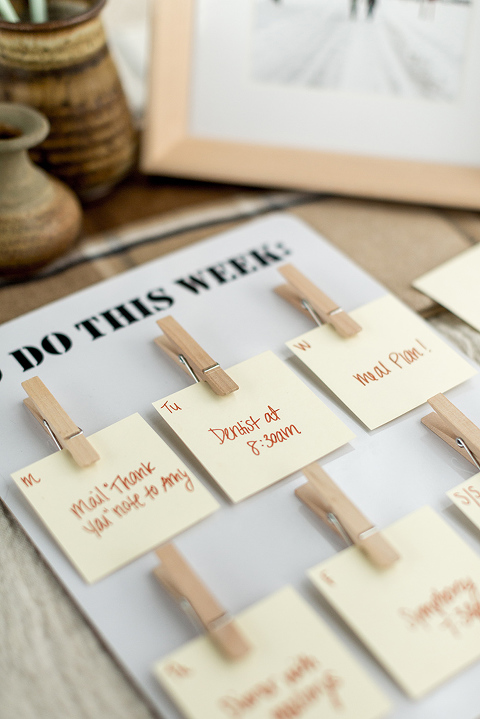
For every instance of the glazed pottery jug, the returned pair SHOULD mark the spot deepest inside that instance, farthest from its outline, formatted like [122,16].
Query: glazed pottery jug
[39,216]
[63,67]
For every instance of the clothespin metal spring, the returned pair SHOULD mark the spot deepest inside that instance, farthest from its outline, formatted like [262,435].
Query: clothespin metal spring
[329,503]
[54,436]
[56,422]
[303,294]
[184,350]
[197,601]
[451,425]
[467,449]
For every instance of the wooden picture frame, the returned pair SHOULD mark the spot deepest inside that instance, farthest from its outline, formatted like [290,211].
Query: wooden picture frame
[170,148]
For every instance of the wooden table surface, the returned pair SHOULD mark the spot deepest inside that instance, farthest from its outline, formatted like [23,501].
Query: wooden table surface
[139,197]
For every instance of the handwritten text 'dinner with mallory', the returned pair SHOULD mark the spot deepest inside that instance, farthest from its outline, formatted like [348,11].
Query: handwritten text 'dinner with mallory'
[138,495]
[297,669]
[395,363]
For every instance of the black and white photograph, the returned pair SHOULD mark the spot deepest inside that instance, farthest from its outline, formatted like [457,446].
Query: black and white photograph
[406,48]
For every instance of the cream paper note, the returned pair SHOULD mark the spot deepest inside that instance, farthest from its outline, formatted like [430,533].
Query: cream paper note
[270,427]
[421,616]
[394,364]
[296,667]
[466,496]
[138,495]
[455,285]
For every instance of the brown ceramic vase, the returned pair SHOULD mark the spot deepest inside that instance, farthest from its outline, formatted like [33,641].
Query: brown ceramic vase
[39,216]
[64,68]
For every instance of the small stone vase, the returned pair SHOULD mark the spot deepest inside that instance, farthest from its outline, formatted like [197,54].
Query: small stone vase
[64,69]
[39,216]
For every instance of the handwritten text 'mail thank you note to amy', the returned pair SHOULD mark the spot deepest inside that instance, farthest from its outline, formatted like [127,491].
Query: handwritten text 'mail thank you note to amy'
[138,495]
[296,668]
[394,364]
[421,616]
[270,427]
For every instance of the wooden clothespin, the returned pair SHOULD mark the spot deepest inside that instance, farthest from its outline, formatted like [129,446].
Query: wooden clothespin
[185,586]
[454,428]
[183,349]
[328,502]
[308,298]
[56,422]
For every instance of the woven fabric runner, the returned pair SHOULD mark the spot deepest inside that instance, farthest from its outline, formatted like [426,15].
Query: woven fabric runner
[394,243]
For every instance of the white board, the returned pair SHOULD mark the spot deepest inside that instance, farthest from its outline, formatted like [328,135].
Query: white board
[247,551]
